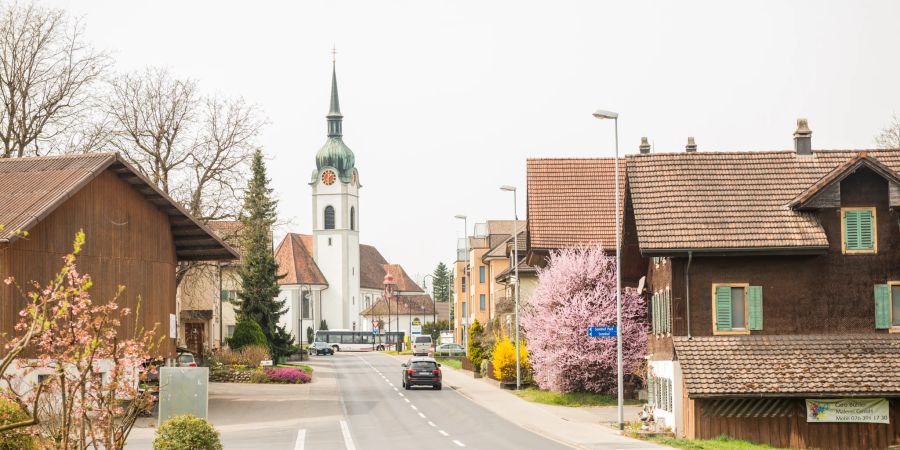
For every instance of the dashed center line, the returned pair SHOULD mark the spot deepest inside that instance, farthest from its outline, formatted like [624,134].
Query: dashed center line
[414,407]
[443,432]
[407,400]
[422,415]
[459,443]
[430,423]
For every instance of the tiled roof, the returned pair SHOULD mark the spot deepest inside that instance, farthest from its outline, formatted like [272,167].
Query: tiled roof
[570,202]
[32,188]
[404,282]
[371,267]
[402,305]
[295,261]
[714,200]
[499,249]
[790,365]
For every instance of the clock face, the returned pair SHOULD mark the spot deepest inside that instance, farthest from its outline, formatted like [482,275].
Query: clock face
[328,177]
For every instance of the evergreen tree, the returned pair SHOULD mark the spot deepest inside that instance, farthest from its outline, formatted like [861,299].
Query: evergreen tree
[257,300]
[442,283]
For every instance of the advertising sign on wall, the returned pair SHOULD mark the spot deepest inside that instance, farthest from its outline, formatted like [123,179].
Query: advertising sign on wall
[871,410]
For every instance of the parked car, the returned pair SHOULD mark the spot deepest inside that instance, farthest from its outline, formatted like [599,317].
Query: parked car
[422,371]
[421,345]
[450,350]
[320,348]
[185,359]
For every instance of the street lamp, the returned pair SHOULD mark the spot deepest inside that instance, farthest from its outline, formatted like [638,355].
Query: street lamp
[469,282]
[389,285]
[601,114]
[516,269]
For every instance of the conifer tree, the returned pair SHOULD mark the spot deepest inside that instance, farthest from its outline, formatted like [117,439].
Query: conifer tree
[442,282]
[257,300]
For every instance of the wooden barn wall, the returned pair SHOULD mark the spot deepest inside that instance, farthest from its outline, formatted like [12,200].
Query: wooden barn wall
[794,431]
[128,243]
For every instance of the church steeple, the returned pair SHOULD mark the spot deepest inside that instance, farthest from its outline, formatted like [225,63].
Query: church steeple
[334,113]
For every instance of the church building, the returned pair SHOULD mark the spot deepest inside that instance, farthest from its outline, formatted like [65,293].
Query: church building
[329,275]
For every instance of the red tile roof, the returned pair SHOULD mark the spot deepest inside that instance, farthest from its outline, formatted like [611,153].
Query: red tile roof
[402,305]
[32,188]
[404,282]
[295,261]
[731,201]
[371,267]
[790,365]
[571,202]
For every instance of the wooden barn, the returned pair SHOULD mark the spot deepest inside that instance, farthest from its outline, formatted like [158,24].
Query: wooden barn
[136,234]
[770,283]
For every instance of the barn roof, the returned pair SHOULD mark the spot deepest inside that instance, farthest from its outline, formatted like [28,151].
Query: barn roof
[32,188]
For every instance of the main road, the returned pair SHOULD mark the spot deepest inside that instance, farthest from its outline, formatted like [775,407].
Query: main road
[356,402]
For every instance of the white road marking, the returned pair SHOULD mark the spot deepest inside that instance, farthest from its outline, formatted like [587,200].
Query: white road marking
[443,432]
[422,415]
[401,394]
[348,440]
[407,400]
[459,443]
[301,440]
[431,423]
[396,389]
[414,407]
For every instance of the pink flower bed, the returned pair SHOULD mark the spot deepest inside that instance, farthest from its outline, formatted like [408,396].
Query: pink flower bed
[289,375]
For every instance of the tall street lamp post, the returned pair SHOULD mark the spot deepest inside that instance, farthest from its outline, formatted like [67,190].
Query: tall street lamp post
[516,288]
[465,311]
[601,114]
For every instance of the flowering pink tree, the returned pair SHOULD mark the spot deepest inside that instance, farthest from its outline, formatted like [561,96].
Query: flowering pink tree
[89,374]
[575,291]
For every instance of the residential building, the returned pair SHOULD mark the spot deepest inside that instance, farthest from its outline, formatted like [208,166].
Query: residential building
[136,235]
[497,259]
[472,284]
[206,295]
[331,277]
[771,278]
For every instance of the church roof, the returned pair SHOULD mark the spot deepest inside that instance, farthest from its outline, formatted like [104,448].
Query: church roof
[404,282]
[371,267]
[295,261]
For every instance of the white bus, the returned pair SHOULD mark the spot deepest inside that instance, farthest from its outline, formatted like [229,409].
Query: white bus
[359,341]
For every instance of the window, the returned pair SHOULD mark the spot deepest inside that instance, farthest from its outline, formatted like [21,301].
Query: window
[737,308]
[329,242]
[660,392]
[481,302]
[329,217]
[481,274]
[306,304]
[464,309]
[228,295]
[353,218]
[858,231]
[462,284]
[230,331]
[887,306]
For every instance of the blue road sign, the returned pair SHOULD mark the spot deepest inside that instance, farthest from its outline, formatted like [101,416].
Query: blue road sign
[609,331]
[374,331]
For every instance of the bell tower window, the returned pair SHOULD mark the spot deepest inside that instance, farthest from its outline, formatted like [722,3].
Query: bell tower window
[329,217]
[353,218]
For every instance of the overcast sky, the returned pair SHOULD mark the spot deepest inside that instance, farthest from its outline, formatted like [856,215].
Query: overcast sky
[444,101]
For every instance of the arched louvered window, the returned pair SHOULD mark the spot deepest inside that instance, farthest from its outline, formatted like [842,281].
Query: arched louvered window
[353,218]
[329,218]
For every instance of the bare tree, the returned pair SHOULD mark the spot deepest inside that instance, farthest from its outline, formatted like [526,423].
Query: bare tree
[890,134]
[46,75]
[195,148]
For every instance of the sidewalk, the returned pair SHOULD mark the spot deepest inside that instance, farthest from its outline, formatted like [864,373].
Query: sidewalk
[556,423]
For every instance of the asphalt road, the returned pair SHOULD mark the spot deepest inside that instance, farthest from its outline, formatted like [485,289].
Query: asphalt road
[356,403]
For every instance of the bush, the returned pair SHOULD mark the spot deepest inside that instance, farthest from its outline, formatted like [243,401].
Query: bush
[289,375]
[259,377]
[255,354]
[247,332]
[228,357]
[186,433]
[476,350]
[504,360]
[19,438]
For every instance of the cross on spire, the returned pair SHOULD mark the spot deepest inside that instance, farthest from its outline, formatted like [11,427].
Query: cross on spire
[333,54]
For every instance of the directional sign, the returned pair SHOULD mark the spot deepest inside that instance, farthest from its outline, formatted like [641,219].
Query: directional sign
[609,331]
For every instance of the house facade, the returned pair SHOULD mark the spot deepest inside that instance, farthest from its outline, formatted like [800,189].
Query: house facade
[771,278]
[136,235]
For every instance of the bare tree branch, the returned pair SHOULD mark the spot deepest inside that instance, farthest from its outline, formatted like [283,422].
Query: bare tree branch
[890,134]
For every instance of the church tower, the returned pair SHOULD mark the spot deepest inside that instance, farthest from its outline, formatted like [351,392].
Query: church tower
[335,211]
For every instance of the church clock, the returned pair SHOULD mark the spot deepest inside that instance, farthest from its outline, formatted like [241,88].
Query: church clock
[328,177]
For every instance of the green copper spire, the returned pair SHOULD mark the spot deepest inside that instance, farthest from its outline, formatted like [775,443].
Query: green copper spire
[335,153]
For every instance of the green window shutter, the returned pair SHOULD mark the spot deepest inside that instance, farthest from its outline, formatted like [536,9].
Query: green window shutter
[851,230]
[755,306]
[866,230]
[662,312]
[723,308]
[882,307]
[655,314]
[669,311]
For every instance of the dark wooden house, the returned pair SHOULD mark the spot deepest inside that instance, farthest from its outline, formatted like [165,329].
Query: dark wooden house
[136,234]
[771,278]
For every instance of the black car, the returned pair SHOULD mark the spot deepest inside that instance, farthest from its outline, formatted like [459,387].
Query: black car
[320,348]
[422,371]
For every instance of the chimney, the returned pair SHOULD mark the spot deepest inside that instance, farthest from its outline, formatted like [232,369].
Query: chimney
[691,146]
[803,138]
[645,146]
